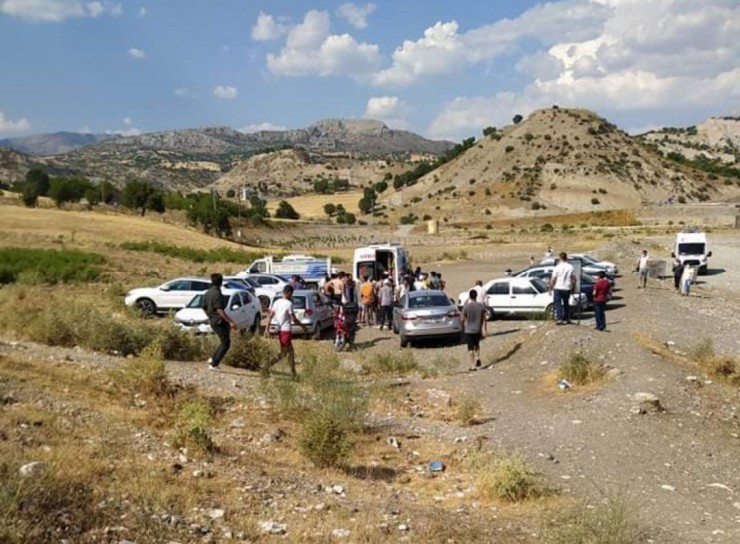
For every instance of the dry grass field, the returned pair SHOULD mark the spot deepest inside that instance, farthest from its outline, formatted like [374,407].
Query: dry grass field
[312,206]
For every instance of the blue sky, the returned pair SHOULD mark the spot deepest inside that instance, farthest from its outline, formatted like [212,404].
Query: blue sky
[442,68]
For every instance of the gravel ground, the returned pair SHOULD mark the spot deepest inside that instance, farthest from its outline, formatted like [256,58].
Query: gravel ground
[679,467]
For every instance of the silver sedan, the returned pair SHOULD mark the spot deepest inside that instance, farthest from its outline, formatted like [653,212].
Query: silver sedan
[426,314]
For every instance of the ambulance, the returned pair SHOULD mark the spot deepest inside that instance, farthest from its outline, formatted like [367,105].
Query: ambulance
[375,259]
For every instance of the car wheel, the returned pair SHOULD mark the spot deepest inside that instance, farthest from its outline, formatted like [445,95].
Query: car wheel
[264,302]
[550,312]
[489,314]
[256,325]
[404,341]
[146,307]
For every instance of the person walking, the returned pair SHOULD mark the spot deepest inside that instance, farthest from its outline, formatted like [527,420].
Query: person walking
[687,278]
[549,254]
[283,317]
[601,295]
[677,272]
[562,283]
[213,303]
[643,269]
[386,305]
[474,326]
[481,296]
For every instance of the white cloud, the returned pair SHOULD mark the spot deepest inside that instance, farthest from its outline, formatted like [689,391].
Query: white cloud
[143,12]
[11,127]
[226,92]
[390,109]
[137,54]
[310,49]
[258,127]
[267,28]
[127,121]
[648,56]
[356,15]
[56,11]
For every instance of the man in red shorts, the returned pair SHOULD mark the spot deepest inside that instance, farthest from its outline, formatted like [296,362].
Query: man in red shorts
[282,316]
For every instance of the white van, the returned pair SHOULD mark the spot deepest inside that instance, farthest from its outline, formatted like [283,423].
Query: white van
[373,260]
[691,248]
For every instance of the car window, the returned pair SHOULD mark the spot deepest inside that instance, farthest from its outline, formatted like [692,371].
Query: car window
[236,300]
[299,302]
[500,288]
[246,298]
[539,285]
[428,301]
[317,300]
[522,290]
[252,282]
[179,285]
[264,280]
[196,302]
[199,285]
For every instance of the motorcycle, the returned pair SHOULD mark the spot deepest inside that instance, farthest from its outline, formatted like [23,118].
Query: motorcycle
[345,326]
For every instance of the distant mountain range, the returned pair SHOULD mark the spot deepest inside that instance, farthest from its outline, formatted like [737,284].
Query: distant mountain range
[193,158]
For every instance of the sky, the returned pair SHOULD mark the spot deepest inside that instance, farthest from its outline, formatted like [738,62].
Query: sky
[442,68]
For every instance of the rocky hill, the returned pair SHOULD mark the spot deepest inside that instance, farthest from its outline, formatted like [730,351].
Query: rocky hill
[14,166]
[557,160]
[44,145]
[194,158]
[718,138]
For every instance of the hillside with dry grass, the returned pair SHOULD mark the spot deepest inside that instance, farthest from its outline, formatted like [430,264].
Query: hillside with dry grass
[717,138]
[556,161]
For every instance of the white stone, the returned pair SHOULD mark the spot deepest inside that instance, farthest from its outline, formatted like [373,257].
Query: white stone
[273,527]
[403,527]
[667,487]
[238,423]
[32,469]
[340,533]
[216,513]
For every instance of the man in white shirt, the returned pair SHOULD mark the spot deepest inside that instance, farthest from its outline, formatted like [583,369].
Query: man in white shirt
[282,317]
[643,269]
[562,283]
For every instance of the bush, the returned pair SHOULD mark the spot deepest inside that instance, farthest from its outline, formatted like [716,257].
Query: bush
[193,421]
[580,370]
[324,440]
[286,211]
[468,408]
[409,219]
[251,352]
[145,375]
[178,345]
[48,266]
[509,148]
[703,351]
[547,227]
[219,255]
[595,201]
[402,362]
[506,478]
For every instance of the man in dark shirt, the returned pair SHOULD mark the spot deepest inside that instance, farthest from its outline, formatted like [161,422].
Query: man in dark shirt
[474,326]
[213,304]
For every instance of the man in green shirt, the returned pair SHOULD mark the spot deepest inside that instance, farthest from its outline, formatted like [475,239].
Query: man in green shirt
[220,322]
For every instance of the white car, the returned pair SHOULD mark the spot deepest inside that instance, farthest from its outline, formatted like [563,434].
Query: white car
[268,281]
[173,295]
[520,296]
[587,266]
[240,305]
[611,268]
[265,294]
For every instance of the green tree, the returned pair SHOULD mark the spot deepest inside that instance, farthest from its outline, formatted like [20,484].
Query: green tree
[231,193]
[350,218]
[517,119]
[40,179]
[489,130]
[29,195]
[330,209]
[92,196]
[322,186]
[388,176]
[210,212]
[138,195]
[63,190]
[109,193]
[381,186]
[367,202]
[286,211]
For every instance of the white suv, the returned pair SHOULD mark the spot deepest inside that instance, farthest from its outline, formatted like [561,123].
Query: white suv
[173,295]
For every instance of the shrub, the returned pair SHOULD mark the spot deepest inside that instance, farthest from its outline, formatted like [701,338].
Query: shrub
[506,478]
[402,362]
[144,375]
[324,440]
[509,148]
[193,421]
[547,227]
[251,352]
[703,351]
[536,206]
[48,265]
[468,408]
[595,201]
[179,345]
[218,255]
[409,219]
[580,370]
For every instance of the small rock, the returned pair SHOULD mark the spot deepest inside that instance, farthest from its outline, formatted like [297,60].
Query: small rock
[32,469]
[350,365]
[238,423]
[460,439]
[670,343]
[439,397]
[645,403]
[340,533]
[403,527]
[667,487]
[320,507]
[275,436]
[393,442]
[273,527]
[216,513]
[613,373]
[336,489]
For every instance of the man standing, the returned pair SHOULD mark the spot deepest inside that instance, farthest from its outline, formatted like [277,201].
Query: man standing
[549,253]
[386,305]
[643,269]
[213,304]
[601,295]
[677,272]
[283,317]
[474,326]
[367,298]
[562,283]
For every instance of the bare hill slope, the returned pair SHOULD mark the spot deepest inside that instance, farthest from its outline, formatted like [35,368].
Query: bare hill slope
[717,138]
[558,160]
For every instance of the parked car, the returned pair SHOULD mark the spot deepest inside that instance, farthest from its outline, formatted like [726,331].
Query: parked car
[545,273]
[173,295]
[586,266]
[521,296]
[240,305]
[611,268]
[426,314]
[265,294]
[268,281]
[312,309]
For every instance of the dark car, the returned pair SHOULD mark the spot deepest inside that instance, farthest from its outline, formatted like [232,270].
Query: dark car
[544,272]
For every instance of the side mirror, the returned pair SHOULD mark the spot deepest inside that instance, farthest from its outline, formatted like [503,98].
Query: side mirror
[235,307]
[709,254]
[165,288]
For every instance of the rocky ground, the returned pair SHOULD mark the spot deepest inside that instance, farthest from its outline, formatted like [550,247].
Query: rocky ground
[677,465]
